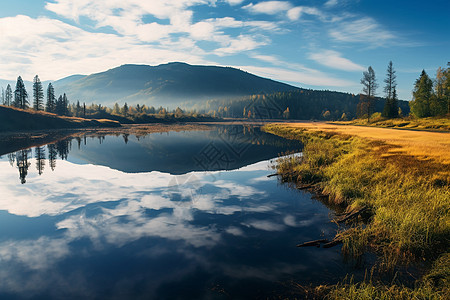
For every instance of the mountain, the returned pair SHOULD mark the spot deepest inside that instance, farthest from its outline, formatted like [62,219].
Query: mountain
[166,85]
[68,80]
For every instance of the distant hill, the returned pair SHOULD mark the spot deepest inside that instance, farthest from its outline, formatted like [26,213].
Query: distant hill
[13,119]
[166,85]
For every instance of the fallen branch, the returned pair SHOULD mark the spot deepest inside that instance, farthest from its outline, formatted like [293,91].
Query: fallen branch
[313,243]
[271,175]
[333,243]
[351,215]
[304,186]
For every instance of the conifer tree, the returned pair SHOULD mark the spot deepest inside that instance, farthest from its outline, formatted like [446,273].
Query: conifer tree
[38,94]
[125,110]
[20,95]
[423,88]
[65,106]
[370,85]
[391,106]
[59,106]
[51,100]
[8,96]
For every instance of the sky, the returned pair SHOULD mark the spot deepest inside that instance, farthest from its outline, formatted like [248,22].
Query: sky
[321,44]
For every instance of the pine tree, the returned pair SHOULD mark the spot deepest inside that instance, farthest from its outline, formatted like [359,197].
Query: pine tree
[20,95]
[78,109]
[38,94]
[423,88]
[65,105]
[51,100]
[391,106]
[59,106]
[370,85]
[125,110]
[8,96]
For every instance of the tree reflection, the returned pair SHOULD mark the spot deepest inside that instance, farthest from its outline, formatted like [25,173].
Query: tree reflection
[226,148]
[23,164]
[63,148]
[40,159]
[52,156]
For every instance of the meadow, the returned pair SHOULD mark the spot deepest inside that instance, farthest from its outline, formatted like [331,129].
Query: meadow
[401,179]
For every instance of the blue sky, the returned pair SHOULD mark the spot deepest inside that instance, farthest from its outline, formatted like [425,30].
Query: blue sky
[324,44]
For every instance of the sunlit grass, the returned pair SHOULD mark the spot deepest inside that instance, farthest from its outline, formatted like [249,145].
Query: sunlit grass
[423,145]
[432,123]
[408,196]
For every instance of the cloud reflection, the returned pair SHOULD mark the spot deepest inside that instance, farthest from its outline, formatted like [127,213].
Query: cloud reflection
[105,209]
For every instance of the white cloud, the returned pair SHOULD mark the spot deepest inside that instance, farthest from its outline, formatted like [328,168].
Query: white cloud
[331,3]
[365,30]
[333,59]
[296,12]
[268,7]
[234,2]
[49,48]
[240,44]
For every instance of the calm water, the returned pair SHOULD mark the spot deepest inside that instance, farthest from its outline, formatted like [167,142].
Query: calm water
[188,215]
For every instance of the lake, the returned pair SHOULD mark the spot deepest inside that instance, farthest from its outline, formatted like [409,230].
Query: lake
[174,215]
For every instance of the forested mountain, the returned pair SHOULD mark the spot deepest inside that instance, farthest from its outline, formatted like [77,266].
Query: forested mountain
[298,104]
[131,90]
[166,85]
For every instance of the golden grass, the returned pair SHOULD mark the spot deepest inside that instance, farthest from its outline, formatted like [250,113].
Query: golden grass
[430,124]
[421,144]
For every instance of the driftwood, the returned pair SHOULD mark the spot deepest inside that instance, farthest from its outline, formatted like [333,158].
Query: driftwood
[351,215]
[333,243]
[304,186]
[313,243]
[283,174]
[320,196]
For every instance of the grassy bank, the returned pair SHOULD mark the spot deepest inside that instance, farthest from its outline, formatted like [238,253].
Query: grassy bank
[432,124]
[14,119]
[407,217]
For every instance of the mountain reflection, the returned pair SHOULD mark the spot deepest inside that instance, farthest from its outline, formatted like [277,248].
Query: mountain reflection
[224,148]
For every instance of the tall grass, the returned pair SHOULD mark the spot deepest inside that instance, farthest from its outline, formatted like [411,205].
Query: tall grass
[408,199]
[432,123]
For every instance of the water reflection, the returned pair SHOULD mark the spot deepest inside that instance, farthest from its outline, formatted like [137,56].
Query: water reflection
[224,148]
[114,217]
[200,229]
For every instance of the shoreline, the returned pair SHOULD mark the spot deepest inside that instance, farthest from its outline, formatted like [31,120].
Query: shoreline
[404,198]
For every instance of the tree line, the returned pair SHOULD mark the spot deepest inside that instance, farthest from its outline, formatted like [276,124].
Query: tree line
[19,98]
[431,97]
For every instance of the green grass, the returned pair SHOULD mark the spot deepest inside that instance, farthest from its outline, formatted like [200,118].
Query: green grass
[408,201]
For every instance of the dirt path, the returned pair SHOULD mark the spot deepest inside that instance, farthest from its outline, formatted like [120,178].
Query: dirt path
[422,144]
